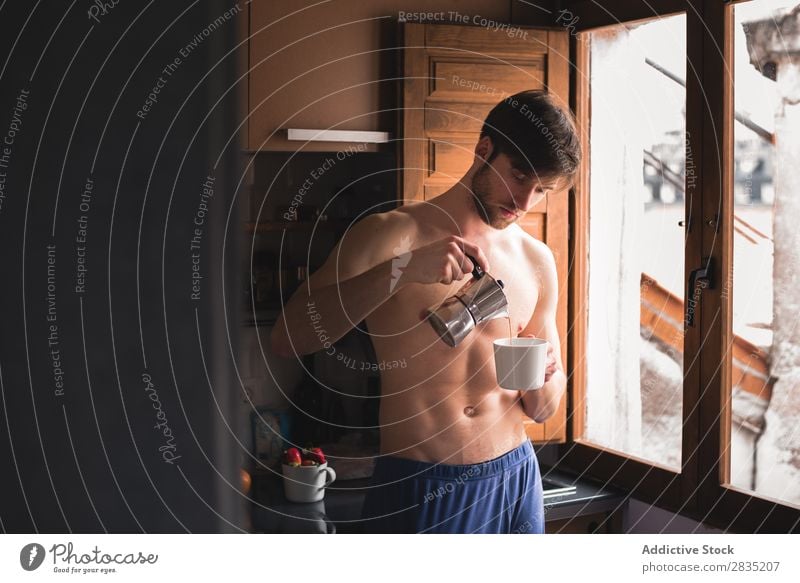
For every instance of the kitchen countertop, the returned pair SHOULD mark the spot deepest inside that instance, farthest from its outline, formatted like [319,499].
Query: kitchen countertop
[587,498]
[340,510]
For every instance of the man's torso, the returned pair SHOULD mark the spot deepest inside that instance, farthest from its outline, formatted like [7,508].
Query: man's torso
[444,404]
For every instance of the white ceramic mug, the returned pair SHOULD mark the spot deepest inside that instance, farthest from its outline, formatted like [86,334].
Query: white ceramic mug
[307,483]
[520,363]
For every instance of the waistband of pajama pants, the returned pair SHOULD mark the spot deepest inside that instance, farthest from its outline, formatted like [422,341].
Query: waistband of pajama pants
[395,467]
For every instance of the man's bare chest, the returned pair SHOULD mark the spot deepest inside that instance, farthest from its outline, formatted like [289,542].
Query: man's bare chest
[402,314]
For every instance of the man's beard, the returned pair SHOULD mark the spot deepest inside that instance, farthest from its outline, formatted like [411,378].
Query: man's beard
[488,212]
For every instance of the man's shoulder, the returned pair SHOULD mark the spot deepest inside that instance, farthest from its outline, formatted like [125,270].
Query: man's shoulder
[532,244]
[386,223]
[380,234]
[537,250]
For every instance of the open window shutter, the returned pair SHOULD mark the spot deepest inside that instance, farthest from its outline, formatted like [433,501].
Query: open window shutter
[453,76]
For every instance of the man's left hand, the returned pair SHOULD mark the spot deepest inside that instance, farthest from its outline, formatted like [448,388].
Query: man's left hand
[552,364]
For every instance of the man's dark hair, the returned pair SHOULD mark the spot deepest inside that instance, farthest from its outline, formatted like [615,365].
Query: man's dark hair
[537,135]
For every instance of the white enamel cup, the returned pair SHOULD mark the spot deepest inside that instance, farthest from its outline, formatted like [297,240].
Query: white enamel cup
[520,363]
[307,483]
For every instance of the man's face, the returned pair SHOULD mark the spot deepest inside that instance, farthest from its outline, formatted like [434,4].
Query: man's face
[503,193]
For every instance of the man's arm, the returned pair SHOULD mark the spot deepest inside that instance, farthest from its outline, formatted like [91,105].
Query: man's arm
[346,289]
[542,404]
[357,278]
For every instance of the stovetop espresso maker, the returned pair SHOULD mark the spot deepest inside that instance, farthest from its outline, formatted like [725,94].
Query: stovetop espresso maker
[481,298]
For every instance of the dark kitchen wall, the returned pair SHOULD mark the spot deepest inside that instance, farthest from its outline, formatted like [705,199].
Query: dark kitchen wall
[118,250]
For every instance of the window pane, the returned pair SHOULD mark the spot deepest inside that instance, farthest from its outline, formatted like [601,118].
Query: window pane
[636,247]
[765,391]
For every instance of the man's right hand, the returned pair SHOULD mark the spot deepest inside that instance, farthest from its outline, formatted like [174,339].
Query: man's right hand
[443,261]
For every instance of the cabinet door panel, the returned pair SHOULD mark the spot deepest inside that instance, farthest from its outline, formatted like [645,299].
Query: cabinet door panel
[454,79]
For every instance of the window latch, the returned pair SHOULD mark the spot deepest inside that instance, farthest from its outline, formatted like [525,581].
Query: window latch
[699,279]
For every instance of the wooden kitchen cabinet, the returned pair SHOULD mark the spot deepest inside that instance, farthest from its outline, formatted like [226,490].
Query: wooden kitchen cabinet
[454,75]
[331,65]
[314,68]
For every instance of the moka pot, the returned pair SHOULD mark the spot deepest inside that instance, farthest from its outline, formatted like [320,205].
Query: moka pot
[481,298]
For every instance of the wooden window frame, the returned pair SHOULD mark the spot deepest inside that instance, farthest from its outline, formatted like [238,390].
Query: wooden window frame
[698,490]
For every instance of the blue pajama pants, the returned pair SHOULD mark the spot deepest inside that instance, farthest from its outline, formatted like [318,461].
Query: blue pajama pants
[502,495]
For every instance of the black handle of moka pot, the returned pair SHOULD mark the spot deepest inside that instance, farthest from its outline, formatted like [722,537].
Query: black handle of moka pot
[477,272]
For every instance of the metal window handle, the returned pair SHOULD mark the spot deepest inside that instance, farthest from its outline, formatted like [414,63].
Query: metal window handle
[699,279]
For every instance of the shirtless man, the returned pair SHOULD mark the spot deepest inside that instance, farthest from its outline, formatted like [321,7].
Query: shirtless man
[454,453]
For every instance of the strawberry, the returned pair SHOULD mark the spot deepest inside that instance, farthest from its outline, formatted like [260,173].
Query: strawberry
[316,454]
[292,457]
